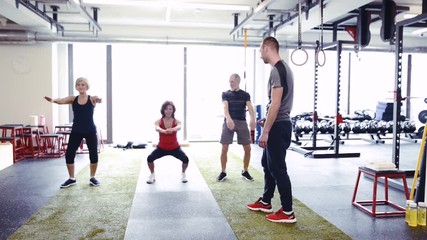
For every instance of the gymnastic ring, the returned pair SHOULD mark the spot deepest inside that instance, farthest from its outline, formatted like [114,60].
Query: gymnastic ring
[318,52]
[306,56]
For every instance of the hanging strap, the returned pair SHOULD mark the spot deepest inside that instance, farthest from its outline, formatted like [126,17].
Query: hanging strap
[299,24]
[301,51]
[320,53]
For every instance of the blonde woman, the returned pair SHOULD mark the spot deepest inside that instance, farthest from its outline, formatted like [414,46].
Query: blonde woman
[83,128]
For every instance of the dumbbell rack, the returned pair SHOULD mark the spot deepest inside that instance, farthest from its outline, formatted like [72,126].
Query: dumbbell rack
[332,151]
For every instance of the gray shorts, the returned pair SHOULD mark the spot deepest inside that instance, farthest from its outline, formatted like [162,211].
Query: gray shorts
[242,130]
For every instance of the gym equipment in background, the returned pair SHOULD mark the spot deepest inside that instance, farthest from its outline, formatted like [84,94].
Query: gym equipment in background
[320,56]
[299,56]
[363,33]
[331,151]
[388,13]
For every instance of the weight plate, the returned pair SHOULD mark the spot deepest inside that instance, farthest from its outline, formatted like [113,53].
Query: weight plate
[422,116]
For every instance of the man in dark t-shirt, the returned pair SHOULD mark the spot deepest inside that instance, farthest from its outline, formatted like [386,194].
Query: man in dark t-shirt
[235,102]
[276,135]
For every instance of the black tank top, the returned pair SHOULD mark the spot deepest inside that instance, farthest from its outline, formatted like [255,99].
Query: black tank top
[83,117]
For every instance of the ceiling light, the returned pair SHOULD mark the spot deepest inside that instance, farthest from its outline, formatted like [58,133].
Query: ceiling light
[171,4]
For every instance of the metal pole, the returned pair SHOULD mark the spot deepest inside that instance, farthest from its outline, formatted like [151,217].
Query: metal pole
[336,131]
[349,84]
[397,96]
[70,79]
[109,94]
[408,87]
[315,117]
[185,94]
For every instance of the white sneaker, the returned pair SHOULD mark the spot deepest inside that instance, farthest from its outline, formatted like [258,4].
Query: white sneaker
[151,178]
[184,178]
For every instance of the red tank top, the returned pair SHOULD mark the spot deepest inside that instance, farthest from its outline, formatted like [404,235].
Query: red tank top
[167,141]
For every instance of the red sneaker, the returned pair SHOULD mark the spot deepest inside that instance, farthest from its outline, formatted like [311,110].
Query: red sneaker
[259,206]
[281,217]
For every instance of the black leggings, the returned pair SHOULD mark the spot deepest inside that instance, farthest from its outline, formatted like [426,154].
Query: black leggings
[74,143]
[158,153]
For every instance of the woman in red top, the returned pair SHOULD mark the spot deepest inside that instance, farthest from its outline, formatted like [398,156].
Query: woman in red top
[167,126]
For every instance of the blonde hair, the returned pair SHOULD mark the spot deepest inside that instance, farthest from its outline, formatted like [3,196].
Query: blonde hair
[82,79]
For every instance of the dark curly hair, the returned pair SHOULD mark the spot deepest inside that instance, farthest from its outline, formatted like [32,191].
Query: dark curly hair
[165,105]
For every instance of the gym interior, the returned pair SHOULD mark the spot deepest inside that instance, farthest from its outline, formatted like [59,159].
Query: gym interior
[359,114]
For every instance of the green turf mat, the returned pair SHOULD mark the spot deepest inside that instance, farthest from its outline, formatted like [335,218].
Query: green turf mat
[234,193]
[85,212]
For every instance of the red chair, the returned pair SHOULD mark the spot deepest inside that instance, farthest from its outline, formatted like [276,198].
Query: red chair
[13,133]
[51,145]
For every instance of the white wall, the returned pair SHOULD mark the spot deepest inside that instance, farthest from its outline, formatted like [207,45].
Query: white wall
[61,114]
[27,74]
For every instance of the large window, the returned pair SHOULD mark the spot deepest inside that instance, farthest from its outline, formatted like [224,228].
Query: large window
[208,73]
[373,79]
[89,62]
[144,76]
[418,92]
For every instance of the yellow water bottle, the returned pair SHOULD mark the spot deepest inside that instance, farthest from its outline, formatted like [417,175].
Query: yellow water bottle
[422,207]
[407,210]
[413,214]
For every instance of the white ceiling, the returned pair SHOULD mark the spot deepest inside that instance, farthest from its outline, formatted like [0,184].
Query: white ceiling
[200,21]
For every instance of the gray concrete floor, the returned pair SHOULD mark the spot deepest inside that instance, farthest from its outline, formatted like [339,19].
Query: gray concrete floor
[324,185]
[27,186]
[170,209]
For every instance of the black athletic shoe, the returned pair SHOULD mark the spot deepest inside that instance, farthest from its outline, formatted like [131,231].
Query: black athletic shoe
[247,176]
[94,182]
[68,183]
[221,177]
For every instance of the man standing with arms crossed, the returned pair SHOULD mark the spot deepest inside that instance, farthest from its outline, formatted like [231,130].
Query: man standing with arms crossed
[235,102]
[276,135]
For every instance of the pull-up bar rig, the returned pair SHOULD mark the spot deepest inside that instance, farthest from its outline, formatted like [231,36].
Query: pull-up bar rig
[332,151]
[412,22]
